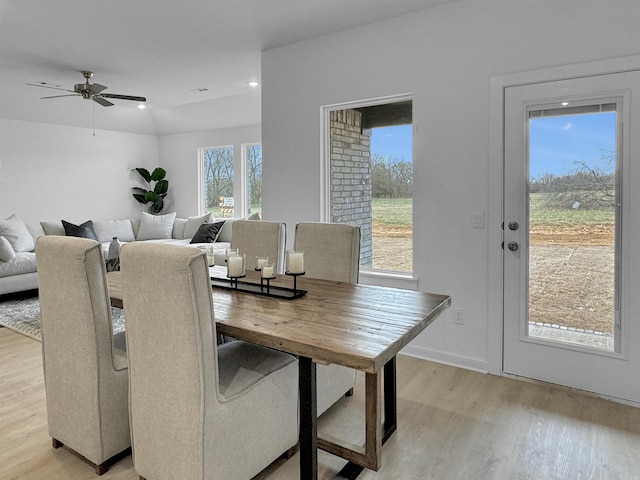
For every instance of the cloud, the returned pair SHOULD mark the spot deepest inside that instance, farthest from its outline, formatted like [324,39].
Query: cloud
[567,127]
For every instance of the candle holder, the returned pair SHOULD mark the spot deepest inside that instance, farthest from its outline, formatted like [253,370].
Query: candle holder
[295,276]
[235,268]
[261,262]
[234,281]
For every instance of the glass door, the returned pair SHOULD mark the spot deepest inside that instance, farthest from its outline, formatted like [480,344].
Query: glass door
[564,184]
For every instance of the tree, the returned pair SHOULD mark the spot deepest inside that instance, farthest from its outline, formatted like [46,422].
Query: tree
[218,175]
[590,187]
[391,178]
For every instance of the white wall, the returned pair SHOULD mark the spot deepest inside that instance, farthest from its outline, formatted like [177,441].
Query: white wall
[445,57]
[179,156]
[49,172]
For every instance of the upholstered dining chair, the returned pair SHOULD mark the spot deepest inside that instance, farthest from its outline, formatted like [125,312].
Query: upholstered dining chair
[331,252]
[198,411]
[85,366]
[260,238]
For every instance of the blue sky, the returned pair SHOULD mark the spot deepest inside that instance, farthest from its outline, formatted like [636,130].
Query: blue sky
[394,142]
[557,142]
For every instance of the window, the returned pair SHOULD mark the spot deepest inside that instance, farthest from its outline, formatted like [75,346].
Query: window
[221,192]
[253,168]
[217,177]
[370,179]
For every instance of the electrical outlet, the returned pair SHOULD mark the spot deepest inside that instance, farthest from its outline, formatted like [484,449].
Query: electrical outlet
[458,315]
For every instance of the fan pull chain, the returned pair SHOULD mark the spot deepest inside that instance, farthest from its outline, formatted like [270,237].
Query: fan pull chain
[94,118]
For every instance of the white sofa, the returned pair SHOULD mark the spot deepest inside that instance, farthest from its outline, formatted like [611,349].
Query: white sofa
[17,241]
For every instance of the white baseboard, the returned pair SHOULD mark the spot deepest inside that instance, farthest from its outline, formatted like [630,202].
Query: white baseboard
[459,361]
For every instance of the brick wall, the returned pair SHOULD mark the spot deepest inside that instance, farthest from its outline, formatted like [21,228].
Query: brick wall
[350,157]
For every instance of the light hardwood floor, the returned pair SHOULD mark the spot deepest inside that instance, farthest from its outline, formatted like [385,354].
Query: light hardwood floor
[453,424]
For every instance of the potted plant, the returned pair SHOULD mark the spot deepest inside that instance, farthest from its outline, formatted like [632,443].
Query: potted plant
[153,198]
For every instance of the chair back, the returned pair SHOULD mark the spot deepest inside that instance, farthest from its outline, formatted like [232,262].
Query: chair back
[260,238]
[172,356]
[331,250]
[87,392]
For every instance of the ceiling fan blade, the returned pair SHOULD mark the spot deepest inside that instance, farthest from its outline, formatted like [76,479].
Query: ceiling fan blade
[58,96]
[124,97]
[96,88]
[47,86]
[101,101]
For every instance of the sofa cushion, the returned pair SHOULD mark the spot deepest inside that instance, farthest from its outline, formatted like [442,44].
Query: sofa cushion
[193,224]
[15,231]
[6,250]
[107,229]
[25,262]
[155,226]
[84,230]
[208,232]
[52,228]
[178,228]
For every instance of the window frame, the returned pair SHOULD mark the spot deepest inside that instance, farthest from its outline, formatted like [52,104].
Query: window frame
[367,275]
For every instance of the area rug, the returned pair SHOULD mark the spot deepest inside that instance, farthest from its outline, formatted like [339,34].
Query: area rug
[23,316]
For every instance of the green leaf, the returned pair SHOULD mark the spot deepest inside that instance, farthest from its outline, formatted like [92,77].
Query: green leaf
[144,173]
[158,174]
[161,187]
[140,197]
[151,196]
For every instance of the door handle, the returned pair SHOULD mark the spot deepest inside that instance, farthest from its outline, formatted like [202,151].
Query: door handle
[513,226]
[513,246]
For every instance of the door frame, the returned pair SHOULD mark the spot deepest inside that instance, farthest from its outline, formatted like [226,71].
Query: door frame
[498,84]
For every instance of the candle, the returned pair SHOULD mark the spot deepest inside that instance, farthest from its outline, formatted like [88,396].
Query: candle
[219,258]
[295,262]
[235,266]
[232,252]
[267,271]
[261,262]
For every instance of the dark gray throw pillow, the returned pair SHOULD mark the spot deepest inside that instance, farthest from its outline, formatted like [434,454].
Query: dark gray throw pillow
[208,232]
[84,230]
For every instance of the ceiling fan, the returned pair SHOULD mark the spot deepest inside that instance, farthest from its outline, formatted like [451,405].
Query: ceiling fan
[90,91]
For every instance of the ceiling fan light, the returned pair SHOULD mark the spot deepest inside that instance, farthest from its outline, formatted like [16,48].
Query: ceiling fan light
[142,106]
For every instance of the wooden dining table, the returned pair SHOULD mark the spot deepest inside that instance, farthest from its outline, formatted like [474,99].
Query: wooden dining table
[359,326]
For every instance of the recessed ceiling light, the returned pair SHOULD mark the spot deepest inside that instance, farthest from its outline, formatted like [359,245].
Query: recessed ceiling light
[253,84]
[142,106]
[564,104]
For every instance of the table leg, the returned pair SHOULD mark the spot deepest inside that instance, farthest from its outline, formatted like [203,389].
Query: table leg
[351,470]
[308,419]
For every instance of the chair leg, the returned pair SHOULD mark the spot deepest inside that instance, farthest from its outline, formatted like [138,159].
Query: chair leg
[291,452]
[102,468]
[56,443]
[349,393]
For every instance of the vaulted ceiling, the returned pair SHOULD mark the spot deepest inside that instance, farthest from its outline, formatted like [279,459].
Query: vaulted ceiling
[192,59]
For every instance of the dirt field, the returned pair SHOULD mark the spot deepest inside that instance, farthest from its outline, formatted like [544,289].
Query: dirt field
[571,277]
[392,247]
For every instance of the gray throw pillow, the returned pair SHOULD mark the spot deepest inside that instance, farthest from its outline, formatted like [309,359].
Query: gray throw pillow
[208,232]
[155,227]
[6,250]
[15,231]
[84,230]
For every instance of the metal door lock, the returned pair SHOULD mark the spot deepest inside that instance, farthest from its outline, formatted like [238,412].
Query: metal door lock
[513,246]
[513,226]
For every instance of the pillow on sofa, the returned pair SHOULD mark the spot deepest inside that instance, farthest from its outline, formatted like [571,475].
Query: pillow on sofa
[6,250]
[208,232]
[193,224]
[107,229]
[154,227]
[84,230]
[16,233]
[52,228]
